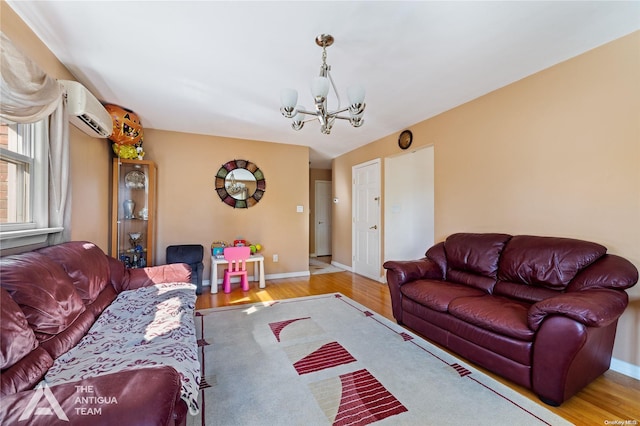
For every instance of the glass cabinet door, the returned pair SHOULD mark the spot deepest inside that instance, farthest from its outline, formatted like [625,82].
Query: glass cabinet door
[133,212]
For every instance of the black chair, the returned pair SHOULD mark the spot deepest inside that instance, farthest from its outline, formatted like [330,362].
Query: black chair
[192,255]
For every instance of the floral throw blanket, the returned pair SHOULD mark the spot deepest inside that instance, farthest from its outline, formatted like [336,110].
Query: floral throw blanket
[141,328]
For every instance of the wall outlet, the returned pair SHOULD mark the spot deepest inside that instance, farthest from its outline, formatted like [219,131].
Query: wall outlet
[275,258]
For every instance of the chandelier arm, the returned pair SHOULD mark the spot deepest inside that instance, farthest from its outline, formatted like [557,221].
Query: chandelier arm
[335,90]
[304,111]
[338,111]
[342,117]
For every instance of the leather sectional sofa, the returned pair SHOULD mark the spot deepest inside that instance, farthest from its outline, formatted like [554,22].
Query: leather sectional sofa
[539,311]
[62,321]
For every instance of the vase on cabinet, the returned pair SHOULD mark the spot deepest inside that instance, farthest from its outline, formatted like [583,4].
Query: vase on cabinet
[129,206]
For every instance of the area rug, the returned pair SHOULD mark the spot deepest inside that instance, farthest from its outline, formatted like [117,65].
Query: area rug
[327,360]
[317,267]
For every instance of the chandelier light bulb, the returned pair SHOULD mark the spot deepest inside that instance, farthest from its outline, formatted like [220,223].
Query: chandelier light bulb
[288,98]
[356,94]
[320,87]
[298,120]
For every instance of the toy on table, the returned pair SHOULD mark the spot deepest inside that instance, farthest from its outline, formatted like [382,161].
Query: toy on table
[217,248]
[243,243]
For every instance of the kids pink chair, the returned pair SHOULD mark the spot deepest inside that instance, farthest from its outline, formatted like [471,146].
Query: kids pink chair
[236,256]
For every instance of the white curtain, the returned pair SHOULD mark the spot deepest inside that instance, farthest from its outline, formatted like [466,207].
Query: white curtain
[59,182]
[29,95]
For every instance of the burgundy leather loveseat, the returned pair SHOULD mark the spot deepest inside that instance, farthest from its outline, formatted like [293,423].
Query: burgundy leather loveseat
[52,300]
[539,311]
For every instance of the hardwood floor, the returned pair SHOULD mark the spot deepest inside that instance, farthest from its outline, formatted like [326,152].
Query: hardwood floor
[610,398]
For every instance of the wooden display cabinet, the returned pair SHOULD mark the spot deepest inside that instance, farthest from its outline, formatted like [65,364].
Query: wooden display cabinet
[133,212]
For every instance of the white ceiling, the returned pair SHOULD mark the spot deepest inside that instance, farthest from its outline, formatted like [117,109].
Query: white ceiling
[216,68]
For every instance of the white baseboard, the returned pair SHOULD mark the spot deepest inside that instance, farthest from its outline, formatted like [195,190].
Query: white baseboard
[350,269]
[287,275]
[625,368]
[341,266]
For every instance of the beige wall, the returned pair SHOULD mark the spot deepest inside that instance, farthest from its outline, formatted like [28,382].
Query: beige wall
[557,153]
[90,157]
[314,175]
[191,212]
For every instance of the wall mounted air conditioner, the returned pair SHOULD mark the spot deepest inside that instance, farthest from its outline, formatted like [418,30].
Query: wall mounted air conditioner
[86,112]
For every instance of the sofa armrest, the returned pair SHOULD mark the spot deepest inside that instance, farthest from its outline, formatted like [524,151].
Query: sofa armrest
[593,308]
[145,277]
[404,271]
[610,271]
[137,397]
[130,279]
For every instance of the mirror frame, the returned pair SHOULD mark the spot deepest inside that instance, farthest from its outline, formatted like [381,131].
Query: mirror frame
[221,189]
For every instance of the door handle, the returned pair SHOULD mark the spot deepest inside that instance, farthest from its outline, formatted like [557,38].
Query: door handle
[373,227]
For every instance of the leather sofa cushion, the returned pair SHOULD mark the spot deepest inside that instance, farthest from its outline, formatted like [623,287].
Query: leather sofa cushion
[472,280]
[85,263]
[26,373]
[523,292]
[437,295]
[498,314]
[17,338]
[514,349]
[472,259]
[65,340]
[43,291]
[103,300]
[546,261]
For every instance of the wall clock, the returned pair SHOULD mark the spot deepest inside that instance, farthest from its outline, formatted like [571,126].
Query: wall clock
[405,139]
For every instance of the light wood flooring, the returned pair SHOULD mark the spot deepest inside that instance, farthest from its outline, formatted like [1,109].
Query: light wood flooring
[610,398]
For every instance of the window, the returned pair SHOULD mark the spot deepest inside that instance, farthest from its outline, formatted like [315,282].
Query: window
[23,184]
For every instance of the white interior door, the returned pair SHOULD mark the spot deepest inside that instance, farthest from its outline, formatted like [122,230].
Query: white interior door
[366,219]
[323,218]
[409,204]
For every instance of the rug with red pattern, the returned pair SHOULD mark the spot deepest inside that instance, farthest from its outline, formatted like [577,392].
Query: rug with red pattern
[327,360]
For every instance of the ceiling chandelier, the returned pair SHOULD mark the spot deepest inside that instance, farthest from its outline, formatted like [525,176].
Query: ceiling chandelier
[319,90]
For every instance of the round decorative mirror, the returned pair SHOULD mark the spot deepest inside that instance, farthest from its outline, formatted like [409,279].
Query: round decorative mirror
[240,184]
